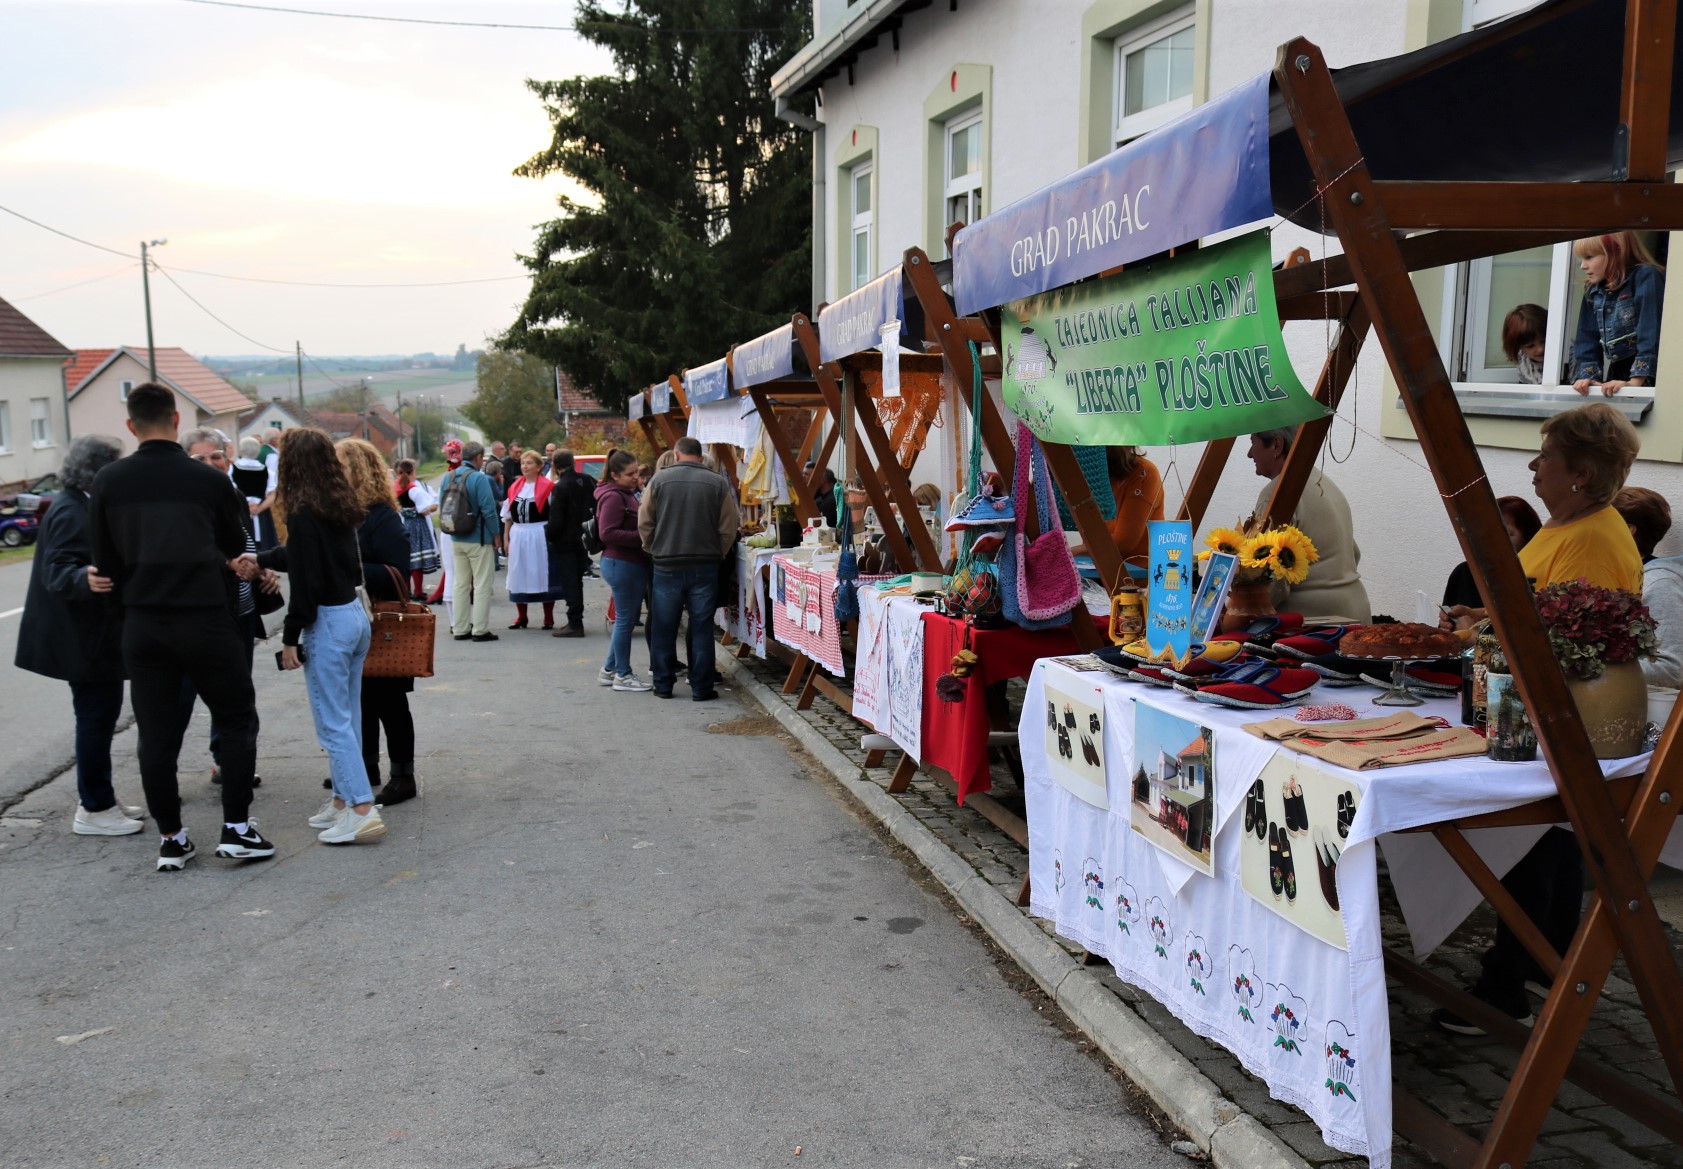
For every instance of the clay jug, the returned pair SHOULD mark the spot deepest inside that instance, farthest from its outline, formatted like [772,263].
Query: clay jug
[1614,708]
[1246,601]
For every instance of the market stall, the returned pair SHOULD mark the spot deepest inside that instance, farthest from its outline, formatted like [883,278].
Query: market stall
[715,415]
[1287,143]
[667,410]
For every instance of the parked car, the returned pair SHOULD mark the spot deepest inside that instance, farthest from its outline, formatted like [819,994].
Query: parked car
[17,529]
[592,465]
[34,498]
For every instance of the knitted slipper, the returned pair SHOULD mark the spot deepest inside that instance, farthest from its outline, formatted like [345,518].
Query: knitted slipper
[1286,681]
[1266,630]
[1155,675]
[1313,643]
[1208,659]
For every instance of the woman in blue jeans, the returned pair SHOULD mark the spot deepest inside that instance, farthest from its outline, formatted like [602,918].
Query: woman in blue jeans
[625,566]
[326,629]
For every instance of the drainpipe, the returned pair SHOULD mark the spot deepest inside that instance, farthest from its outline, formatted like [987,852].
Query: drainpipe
[816,128]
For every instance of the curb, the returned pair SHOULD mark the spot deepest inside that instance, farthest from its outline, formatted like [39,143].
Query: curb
[1231,1138]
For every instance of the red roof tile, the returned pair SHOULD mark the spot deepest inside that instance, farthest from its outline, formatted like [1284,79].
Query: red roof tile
[81,364]
[577,401]
[22,337]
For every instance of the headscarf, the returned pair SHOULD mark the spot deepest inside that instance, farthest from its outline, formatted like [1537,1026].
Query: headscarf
[453,453]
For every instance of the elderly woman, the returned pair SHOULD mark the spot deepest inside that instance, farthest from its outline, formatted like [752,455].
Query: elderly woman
[1334,585]
[1586,454]
[71,631]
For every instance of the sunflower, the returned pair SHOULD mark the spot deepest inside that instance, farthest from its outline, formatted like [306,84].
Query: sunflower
[1260,550]
[1292,557]
[1226,540]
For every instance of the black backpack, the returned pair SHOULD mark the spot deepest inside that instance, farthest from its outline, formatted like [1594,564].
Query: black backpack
[455,505]
[590,533]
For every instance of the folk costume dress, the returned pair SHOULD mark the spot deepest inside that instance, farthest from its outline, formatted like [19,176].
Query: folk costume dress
[534,573]
[423,548]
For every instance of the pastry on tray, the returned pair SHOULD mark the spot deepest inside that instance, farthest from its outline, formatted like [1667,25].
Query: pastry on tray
[1401,639]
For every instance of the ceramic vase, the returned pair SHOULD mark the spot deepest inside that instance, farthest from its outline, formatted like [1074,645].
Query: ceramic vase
[1614,708]
[1246,601]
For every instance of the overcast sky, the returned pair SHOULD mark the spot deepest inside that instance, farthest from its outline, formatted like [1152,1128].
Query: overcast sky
[278,146]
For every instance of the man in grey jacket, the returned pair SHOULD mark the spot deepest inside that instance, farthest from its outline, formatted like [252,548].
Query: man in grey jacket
[688,521]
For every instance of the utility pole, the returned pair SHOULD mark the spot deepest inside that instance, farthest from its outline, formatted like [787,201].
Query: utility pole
[298,356]
[146,291]
[402,450]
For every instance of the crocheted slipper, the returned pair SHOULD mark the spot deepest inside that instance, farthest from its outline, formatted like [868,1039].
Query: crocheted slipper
[1209,658]
[1254,695]
[1265,630]
[1155,675]
[1313,643]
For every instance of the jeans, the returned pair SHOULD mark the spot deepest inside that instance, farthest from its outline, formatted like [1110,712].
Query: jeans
[160,648]
[334,647]
[248,625]
[98,705]
[675,591]
[571,583]
[473,571]
[385,702]
[628,581]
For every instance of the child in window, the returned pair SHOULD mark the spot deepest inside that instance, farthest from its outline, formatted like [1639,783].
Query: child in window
[1618,338]
[1522,341]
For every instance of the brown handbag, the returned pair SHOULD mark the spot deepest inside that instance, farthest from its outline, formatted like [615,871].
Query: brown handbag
[401,640]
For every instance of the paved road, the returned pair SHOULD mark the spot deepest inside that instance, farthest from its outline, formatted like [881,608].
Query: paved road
[607,935]
[37,731]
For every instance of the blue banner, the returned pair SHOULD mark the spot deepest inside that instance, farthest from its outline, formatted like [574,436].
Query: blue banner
[636,407]
[1168,604]
[1202,173]
[764,359]
[854,323]
[660,397]
[707,383]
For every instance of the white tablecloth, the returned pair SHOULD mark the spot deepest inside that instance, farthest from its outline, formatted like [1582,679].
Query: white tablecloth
[745,618]
[1310,1019]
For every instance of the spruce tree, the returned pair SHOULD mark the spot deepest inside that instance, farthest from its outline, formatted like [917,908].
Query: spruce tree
[695,230]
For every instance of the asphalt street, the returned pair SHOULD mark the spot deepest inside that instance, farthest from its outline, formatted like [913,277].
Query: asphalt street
[608,934]
[37,732]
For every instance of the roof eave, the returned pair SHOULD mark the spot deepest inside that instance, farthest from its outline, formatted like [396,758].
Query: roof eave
[817,58]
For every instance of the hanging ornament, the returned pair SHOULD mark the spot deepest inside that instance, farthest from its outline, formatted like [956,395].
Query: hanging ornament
[890,346]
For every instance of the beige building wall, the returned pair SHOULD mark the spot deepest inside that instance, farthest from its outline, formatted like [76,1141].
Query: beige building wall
[22,381]
[98,407]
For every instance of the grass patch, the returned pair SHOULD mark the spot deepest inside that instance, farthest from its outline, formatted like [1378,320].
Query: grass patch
[16,555]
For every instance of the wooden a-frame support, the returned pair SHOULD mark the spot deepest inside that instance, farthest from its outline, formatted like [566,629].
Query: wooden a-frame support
[1620,855]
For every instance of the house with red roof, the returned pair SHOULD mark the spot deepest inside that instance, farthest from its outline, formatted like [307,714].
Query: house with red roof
[99,380]
[34,431]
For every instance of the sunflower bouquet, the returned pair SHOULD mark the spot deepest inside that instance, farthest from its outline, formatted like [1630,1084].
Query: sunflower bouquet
[1282,553]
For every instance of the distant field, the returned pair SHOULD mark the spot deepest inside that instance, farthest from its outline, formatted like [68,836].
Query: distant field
[452,386]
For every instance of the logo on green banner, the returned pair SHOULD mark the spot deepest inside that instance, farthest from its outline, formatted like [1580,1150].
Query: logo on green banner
[1186,350]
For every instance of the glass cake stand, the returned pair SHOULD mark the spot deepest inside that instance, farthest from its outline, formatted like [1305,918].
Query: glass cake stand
[1399,693]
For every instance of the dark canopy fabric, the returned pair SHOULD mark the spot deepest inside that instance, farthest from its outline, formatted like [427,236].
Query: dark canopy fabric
[1534,98]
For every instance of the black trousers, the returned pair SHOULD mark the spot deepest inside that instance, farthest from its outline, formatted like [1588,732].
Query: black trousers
[572,566]
[385,703]
[249,625]
[161,648]
[1548,883]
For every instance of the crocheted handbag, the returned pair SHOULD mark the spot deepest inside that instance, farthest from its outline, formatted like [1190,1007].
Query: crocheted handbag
[1048,585]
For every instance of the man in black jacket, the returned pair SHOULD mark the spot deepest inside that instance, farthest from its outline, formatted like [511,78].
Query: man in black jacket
[571,503]
[165,530]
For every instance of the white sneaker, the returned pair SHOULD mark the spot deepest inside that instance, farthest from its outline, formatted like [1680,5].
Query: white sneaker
[327,816]
[604,677]
[114,821]
[632,683]
[355,828]
[133,811]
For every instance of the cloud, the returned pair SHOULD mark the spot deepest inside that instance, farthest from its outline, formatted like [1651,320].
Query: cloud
[309,137]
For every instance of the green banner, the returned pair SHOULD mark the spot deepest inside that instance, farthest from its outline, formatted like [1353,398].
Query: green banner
[1178,351]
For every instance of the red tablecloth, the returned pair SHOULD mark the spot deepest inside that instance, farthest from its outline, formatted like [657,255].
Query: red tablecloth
[955,734]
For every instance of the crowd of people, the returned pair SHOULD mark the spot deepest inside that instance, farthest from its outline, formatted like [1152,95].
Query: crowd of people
[155,572]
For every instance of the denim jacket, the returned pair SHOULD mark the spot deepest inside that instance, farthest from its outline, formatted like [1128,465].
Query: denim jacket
[1620,325]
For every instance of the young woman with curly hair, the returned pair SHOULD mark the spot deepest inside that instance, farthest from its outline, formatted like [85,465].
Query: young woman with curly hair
[384,545]
[326,629]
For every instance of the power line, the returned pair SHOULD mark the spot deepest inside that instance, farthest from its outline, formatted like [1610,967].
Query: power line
[275,8]
[336,383]
[261,279]
[165,274]
[78,284]
[384,19]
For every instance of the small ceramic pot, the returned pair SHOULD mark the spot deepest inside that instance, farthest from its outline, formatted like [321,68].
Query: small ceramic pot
[1614,708]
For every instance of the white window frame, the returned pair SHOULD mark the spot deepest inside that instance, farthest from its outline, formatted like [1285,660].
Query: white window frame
[1127,127]
[1476,13]
[5,427]
[123,388]
[41,423]
[863,223]
[966,186]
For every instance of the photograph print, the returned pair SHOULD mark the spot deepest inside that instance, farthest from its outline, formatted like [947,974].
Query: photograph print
[1171,799]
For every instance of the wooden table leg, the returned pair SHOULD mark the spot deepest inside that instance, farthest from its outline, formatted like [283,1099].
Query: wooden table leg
[875,758]
[902,777]
[1023,893]
[797,669]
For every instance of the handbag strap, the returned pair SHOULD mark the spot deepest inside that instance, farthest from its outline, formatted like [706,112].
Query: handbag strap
[977,389]
[399,580]
[1020,488]
[1049,520]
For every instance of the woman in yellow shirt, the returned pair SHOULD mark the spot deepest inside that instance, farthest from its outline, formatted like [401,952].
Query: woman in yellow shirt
[1586,454]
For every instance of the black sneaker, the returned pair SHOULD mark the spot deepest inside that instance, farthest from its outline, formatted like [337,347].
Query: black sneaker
[216,777]
[462,636]
[243,846]
[483,637]
[663,694]
[704,696]
[173,857]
